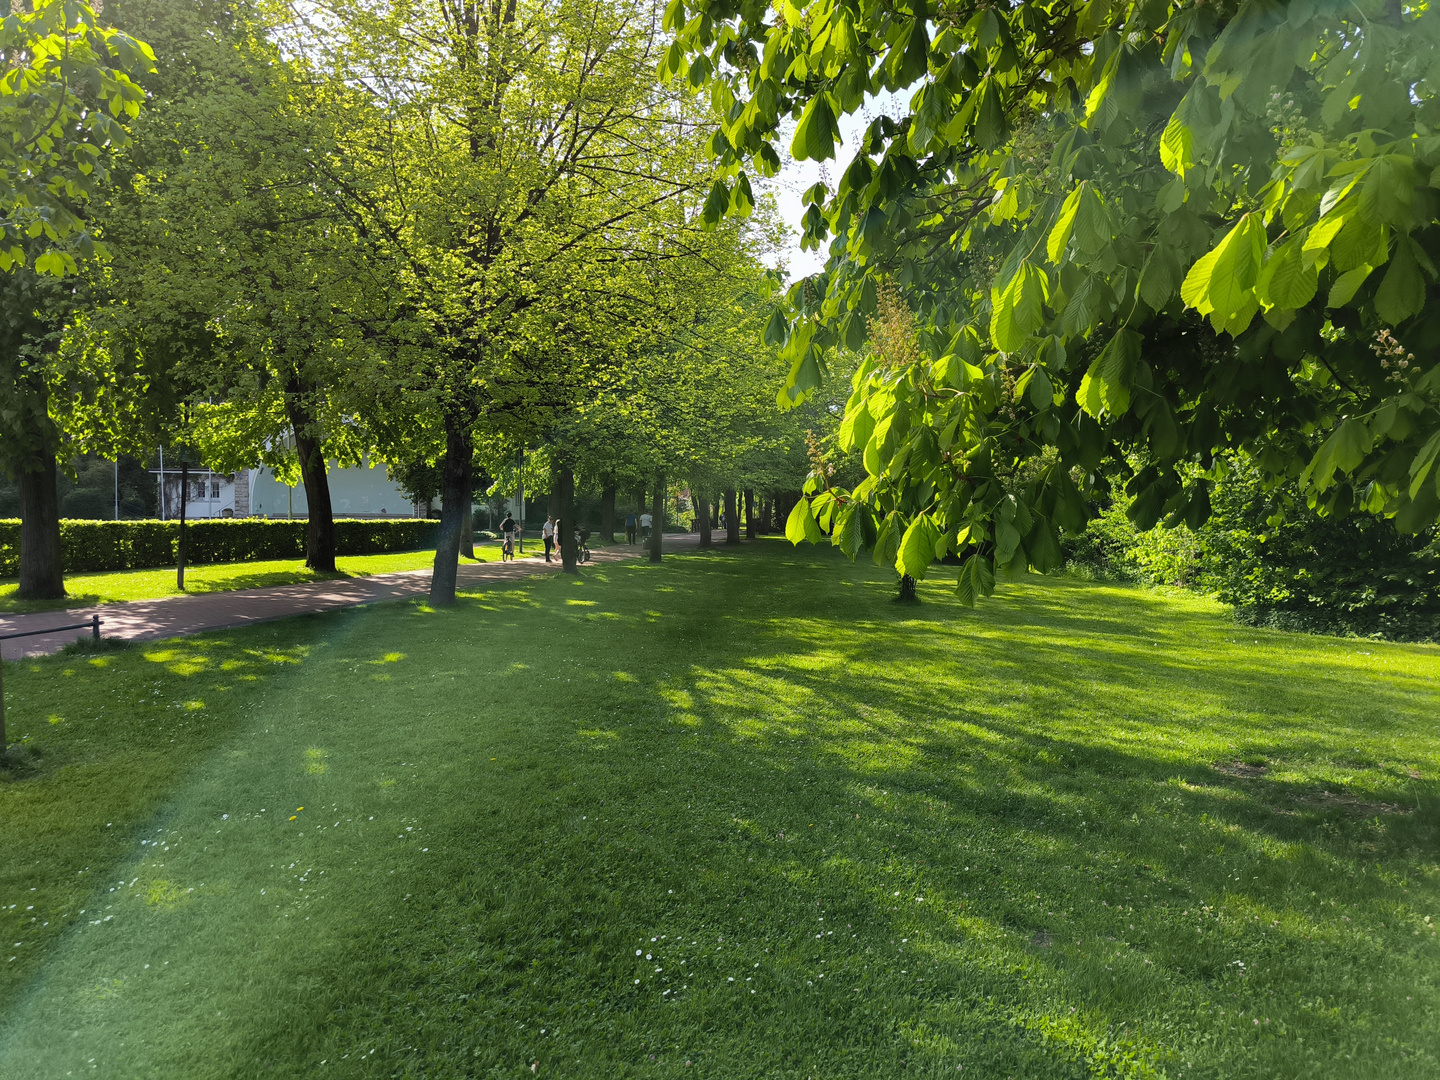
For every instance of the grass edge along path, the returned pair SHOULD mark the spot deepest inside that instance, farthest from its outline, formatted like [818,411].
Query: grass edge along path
[86,589]
[738,811]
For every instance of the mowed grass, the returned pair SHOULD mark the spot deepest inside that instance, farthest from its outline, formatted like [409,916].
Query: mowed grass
[738,815]
[112,587]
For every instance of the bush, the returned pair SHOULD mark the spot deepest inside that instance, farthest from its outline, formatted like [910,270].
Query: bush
[140,545]
[1338,574]
[1111,547]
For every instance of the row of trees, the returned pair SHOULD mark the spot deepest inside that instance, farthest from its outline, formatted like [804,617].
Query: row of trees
[1113,244]
[446,233]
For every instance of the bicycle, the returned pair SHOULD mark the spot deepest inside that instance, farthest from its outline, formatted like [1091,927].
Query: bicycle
[507,549]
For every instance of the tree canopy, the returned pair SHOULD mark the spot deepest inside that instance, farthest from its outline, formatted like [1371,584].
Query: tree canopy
[1131,237]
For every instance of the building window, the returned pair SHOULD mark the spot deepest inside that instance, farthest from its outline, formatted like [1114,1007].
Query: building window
[215,489]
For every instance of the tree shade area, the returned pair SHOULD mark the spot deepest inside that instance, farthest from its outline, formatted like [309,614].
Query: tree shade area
[753,816]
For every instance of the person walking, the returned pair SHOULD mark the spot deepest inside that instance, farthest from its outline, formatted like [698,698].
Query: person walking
[645,521]
[630,527]
[507,534]
[547,532]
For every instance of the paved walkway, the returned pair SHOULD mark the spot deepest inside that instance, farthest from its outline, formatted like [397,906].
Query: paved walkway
[141,620]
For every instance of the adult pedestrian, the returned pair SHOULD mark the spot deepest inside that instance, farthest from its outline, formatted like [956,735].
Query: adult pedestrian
[508,528]
[645,521]
[630,525]
[547,532]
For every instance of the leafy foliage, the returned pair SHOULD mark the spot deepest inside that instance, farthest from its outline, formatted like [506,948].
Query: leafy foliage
[1127,231]
[66,93]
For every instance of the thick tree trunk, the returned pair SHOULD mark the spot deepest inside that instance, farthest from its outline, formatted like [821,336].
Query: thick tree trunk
[180,548]
[467,529]
[607,514]
[455,495]
[702,520]
[41,575]
[749,513]
[715,512]
[320,525]
[767,514]
[732,518]
[657,517]
[565,522]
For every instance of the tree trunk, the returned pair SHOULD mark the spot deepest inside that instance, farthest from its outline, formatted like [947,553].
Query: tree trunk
[607,514]
[565,523]
[42,577]
[907,590]
[767,514]
[455,494]
[657,517]
[715,512]
[320,525]
[732,518]
[180,552]
[467,529]
[749,513]
[702,520]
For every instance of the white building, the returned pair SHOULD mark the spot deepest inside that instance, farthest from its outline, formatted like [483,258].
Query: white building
[363,491]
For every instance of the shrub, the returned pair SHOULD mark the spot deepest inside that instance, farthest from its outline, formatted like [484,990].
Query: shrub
[139,545]
[1339,574]
[1111,547]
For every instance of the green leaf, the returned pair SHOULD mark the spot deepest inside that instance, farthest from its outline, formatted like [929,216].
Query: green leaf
[776,327]
[716,204]
[1092,222]
[1346,448]
[856,429]
[51,262]
[1064,225]
[1422,465]
[1221,287]
[1402,293]
[1017,311]
[1343,291]
[1159,277]
[742,200]
[1042,391]
[849,534]
[1286,282]
[802,526]
[1196,286]
[887,541]
[1106,386]
[917,547]
[817,132]
[1177,146]
[977,579]
[991,127]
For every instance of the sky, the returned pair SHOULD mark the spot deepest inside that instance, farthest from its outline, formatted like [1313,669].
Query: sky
[796,176]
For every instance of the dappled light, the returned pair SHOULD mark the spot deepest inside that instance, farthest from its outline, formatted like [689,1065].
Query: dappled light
[1098,826]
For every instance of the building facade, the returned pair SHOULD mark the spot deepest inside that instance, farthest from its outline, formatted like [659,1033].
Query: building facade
[363,491]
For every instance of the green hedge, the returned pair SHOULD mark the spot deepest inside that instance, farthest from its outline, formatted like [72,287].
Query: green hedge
[139,545]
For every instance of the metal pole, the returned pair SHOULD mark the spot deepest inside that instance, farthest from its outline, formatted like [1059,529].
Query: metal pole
[117,488]
[162,483]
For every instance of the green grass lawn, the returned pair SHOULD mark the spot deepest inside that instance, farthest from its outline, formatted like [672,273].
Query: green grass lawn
[109,588]
[738,815]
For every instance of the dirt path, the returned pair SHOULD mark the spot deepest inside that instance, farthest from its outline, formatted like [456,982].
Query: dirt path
[141,620]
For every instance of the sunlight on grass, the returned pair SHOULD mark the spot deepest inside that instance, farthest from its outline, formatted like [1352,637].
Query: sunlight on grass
[799,832]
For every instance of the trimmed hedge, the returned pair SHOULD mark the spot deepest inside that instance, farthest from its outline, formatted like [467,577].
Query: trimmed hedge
[142,545]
